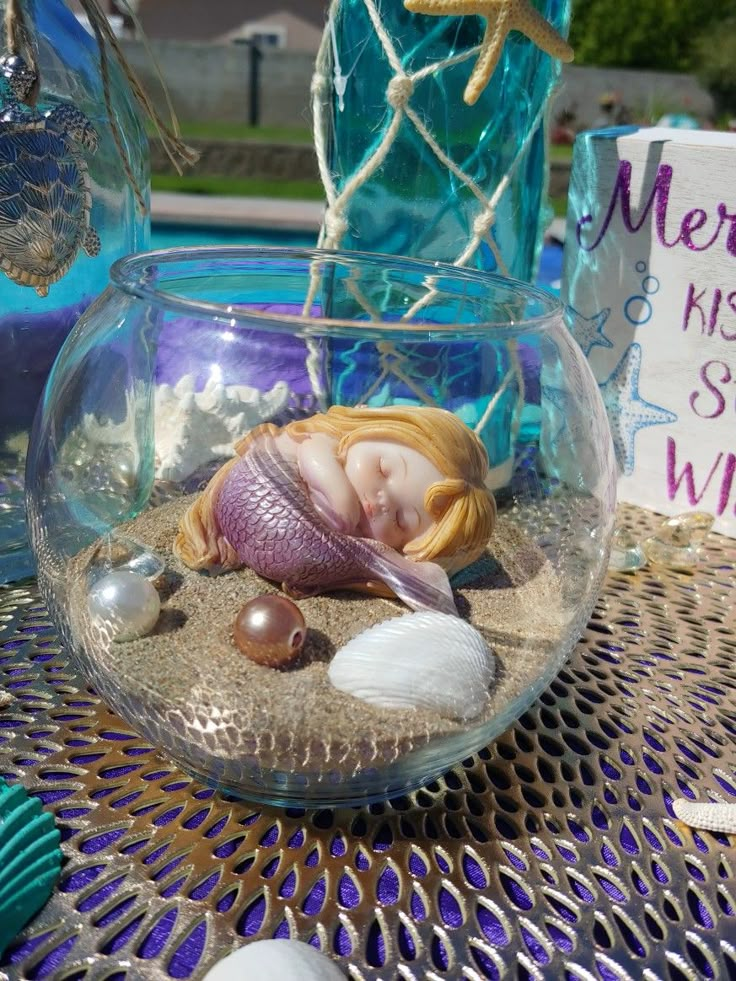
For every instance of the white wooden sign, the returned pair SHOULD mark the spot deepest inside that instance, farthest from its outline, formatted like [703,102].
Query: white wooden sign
[650,267]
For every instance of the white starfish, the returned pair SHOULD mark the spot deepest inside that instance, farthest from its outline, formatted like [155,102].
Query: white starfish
[709,817]
[501,16]
[192,428]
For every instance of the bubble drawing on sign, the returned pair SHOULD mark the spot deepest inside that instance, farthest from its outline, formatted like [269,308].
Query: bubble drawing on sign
[638,309]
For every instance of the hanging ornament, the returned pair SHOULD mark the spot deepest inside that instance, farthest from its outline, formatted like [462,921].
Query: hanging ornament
[45,195]
[45,190]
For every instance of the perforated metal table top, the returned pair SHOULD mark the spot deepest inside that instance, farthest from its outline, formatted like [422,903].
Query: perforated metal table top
[552,854]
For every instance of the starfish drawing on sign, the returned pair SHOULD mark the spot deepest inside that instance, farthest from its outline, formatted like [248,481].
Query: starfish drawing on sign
[627,411]
[502,17]
[588,331]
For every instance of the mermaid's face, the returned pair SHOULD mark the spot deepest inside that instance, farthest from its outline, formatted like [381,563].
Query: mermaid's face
[391,480]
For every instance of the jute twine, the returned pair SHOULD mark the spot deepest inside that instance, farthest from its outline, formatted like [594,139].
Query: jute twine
[20,41]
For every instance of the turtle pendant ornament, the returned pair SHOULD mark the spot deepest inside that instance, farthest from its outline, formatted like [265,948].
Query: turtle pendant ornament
[45,195]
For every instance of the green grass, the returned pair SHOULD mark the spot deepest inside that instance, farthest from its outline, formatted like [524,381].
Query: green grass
[241,131]
[559,206]
[563,153]
[252,187]
[246,187]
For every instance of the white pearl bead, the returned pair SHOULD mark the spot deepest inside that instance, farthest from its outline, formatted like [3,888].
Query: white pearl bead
[125,604]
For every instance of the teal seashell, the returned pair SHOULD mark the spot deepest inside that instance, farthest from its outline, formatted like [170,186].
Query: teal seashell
[30,859]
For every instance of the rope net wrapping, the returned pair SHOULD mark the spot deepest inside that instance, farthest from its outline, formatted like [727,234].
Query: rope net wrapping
[408,168]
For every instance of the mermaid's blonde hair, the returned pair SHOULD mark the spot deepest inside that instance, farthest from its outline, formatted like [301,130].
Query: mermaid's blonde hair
[463,509]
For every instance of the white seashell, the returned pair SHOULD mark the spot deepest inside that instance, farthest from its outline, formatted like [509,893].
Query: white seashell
[709,817]
[423,660]
[193,428]
[275,960]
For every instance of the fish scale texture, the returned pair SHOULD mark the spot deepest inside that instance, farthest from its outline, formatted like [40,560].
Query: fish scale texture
[269,520]
[265,513]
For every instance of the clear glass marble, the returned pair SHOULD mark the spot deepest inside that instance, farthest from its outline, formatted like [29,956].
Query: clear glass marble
[187,351]
[627,555]
[676,543]
[33,327]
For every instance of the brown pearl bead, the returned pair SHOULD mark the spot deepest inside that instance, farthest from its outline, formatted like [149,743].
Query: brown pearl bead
[270,630]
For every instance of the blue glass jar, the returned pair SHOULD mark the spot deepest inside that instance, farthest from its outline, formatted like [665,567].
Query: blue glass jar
[410,168]
[32,326]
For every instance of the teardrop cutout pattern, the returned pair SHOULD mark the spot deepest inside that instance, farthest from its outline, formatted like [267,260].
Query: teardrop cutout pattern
[553,852]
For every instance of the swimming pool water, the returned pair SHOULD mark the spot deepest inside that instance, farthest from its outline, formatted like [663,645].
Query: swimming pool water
[173,236]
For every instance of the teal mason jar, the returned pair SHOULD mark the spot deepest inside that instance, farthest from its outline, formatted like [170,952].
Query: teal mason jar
[67,212]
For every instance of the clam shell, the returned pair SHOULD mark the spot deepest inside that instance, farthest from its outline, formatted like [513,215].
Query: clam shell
[30,859]
[423,660]
[270,960]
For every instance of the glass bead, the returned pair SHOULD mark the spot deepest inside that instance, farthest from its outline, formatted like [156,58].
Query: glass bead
[116,552]
[676,542]
[627,554]
[270,630]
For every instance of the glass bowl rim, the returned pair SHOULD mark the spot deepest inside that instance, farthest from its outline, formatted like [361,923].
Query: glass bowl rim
[129,275]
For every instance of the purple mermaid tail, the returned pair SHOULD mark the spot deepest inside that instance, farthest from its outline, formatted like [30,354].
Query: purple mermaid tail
[266,515]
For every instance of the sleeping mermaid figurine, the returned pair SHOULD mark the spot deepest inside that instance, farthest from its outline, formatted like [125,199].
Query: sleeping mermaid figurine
[383,500]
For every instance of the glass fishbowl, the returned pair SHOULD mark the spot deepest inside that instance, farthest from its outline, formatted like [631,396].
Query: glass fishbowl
[67,212]
[320,524]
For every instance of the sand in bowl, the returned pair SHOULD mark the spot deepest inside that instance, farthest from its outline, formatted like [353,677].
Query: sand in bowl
[294,720]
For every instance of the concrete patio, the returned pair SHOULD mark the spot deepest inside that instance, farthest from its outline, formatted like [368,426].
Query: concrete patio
[205,209]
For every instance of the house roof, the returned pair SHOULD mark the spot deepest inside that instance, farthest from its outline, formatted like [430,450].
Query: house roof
[192,20]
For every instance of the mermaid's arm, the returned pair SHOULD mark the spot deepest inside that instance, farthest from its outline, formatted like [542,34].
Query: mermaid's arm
[329,489]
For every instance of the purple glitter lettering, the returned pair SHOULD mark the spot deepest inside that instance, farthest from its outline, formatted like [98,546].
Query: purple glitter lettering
[673,481]
[622,190]
[693,496]
[714,307]
[728,474]
[693,222]
[731,301]
[710,384]
[692,302]
[731,238]
[685,229]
